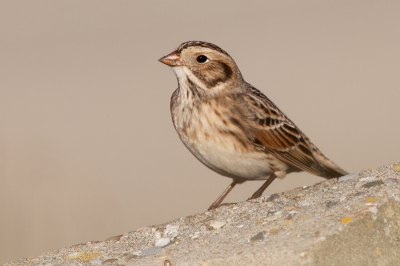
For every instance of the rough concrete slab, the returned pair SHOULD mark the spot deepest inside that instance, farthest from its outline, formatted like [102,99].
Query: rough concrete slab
[351,221]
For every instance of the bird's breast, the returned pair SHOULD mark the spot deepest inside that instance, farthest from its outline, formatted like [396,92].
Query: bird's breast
[214,140]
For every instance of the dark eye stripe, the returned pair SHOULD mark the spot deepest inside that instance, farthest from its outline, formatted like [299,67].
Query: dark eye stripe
[217,72]
[227,70]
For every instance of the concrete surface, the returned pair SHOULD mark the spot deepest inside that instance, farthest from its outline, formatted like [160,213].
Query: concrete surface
[351,221]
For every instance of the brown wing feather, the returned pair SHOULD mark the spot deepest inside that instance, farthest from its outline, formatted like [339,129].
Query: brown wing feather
[278,135]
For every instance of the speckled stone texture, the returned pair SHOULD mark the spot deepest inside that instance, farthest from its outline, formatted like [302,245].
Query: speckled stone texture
[351,221]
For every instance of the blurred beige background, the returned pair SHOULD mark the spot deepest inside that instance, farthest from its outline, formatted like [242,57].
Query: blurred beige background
[87,146]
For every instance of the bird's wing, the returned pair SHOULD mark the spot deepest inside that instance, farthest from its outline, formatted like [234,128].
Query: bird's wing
[278,135]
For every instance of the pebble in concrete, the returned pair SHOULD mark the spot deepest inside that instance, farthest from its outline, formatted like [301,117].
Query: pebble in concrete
[196,235]
[150,251]
[330,204]
[258,237]
[162,242]
[347,177]
[96,261]
[373,184]
[217,224]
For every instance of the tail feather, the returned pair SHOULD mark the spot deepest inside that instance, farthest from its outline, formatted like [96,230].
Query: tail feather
[334,172]
[331,170]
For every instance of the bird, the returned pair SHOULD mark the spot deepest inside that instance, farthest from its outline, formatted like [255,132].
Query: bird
[232,127]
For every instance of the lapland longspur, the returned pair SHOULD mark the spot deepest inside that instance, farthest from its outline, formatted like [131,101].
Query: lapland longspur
[233,128]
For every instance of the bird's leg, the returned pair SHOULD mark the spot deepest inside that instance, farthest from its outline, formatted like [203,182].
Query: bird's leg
[260,191]
[222,197]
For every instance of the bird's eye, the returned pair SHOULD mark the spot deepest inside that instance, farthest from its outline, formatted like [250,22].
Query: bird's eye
[202,59]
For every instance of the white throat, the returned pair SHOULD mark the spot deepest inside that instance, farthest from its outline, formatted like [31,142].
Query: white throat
[183,74]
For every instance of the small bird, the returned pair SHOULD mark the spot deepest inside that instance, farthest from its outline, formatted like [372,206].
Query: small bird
[232,127]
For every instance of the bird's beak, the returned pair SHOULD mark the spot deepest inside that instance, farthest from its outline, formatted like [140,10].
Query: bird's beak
[172,59]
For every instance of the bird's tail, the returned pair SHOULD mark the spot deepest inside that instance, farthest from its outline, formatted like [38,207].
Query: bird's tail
[330,169]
